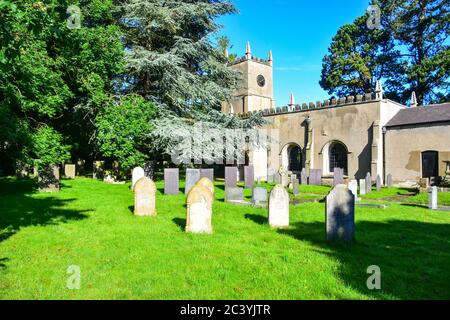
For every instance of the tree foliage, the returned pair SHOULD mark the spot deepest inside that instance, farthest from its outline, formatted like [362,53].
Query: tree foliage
[409,52]
[124,131]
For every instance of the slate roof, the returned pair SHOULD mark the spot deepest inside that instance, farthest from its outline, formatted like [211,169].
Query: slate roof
[420,115]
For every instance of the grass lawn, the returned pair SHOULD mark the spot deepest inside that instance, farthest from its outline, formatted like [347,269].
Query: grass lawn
[90,224]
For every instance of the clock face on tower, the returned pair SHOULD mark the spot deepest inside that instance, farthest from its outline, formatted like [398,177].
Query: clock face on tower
[261,80]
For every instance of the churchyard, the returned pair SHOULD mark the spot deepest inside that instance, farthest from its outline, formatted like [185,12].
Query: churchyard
[152,240]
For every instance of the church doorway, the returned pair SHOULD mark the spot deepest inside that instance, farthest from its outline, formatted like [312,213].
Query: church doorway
[430,164]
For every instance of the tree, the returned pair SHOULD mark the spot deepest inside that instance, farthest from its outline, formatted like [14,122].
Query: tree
[124,131]
[422,27]
[410,52]
[173,63]
[357,58]
[53,76]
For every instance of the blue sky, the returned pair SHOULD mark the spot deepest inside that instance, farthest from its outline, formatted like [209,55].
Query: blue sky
[298,32]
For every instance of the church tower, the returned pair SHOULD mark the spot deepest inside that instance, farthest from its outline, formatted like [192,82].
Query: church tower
[256,90]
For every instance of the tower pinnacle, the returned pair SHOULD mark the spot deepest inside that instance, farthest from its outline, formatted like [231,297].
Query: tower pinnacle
[248,51]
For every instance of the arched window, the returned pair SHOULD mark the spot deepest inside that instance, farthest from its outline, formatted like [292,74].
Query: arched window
[295,159]
[338,157]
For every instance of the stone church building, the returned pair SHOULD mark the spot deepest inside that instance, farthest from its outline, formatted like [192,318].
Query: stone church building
[360,134]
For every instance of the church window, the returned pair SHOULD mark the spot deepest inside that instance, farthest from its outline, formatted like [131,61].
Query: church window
[338,157]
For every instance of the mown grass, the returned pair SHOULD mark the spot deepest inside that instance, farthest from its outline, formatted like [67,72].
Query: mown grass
[90,224]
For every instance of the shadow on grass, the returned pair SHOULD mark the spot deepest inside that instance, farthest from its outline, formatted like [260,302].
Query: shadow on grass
[256,218]
[2,263]
[414,205]
[181,223]
[413,256]
[18,209]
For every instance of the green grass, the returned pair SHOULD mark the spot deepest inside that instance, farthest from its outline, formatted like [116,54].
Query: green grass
[90,224]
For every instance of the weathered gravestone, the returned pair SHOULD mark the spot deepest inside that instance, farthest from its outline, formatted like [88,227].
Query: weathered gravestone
[270,175]
[99,169]
[136,175]
[293,178]
[231,177]
[48,179]
[249,176]
[207,173]
[379,183]
[389,181]
[315,177]
[353,187]
[69,171]
[277,177]
[207,183]
[80,167]
[192,176]
[368,183]
[338,176]
[199,210]
[172,181]
[362,187]
[21,170]
[433,198]
[295,187]
[279,207]
[259,196]
[234,194]
[340,214]
[304,177]
[144,197]
[284,179]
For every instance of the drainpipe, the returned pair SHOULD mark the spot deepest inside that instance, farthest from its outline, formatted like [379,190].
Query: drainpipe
[384,130]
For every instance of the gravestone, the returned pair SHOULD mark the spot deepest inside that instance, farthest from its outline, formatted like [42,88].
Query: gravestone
[259,196]
[340,214]
[353,187]
[21,170]
[270,175]
[207,183]
[199,210]
[304,177]
[315,177]
[379,183]
[207,173]
[144,197]
[293,178]
[48,179]
[362,187]
[284,179]
[231,177]
[249,176]
[69,171]
[116,169]
[368,183]
[389,181]
[433,198]
[80,167]
[99,170]
[338,176]
[192,176]
[172,181]
[279,207]
[295,187]
[277,178]
[136,175]
[234,194]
